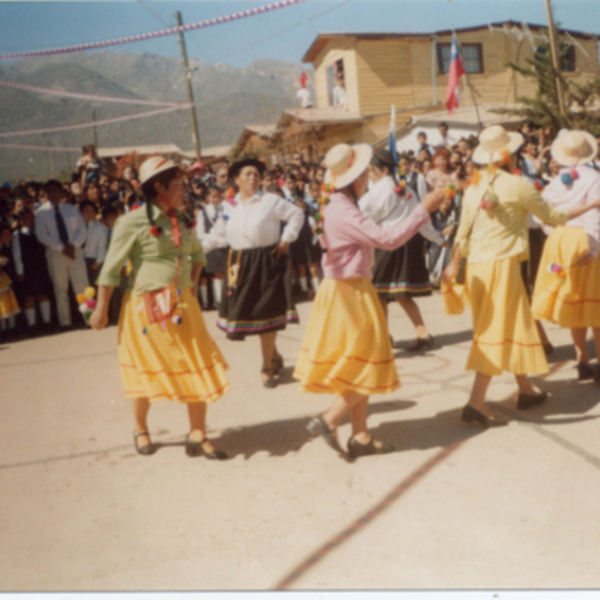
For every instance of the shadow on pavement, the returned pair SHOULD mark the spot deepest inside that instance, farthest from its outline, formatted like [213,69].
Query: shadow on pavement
[446,339]
[278,438]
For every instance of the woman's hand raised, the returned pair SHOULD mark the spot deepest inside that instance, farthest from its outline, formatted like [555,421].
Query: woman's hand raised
[433,200]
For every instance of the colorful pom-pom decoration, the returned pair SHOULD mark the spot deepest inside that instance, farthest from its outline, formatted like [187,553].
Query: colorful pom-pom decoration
[90,303]
[318,231]
[81,298]
[83,308]
[318,217]
[538,184]
[89,292]
[567,179]
[177,319]
[554,268]
[490,201]
[155,230]
[87,315]
[145,331]
[327,188]
[574,174]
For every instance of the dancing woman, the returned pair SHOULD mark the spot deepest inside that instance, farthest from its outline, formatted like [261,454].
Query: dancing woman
[493,237]
[165,350]
[401,274]
[346,349]
[258,294]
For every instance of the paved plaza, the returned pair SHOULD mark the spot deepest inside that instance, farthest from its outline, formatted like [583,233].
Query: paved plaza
[454,507]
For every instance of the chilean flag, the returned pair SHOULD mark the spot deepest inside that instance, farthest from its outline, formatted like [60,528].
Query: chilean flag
[454,72]
[392,135]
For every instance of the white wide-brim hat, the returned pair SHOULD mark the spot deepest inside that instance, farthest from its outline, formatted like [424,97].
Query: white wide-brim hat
[153,166]
[346,163]
[574,148]
[494,142]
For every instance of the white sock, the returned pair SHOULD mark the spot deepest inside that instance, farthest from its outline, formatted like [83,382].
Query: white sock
[45,310]
[30,316]
[303,283]
[218,289]
[204,294]
[315,283]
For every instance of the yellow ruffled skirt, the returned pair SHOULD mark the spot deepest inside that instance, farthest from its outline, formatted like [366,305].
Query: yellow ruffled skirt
[505,337]
[9,306]
[347,345]
[571,298]
[176,362]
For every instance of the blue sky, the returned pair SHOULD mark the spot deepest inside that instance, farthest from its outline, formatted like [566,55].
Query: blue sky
[285,34]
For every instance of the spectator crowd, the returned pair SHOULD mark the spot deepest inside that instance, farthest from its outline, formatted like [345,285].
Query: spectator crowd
[54,235]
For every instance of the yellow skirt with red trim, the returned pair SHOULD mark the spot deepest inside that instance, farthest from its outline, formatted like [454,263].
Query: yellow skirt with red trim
[570,298]
[176,362]
[505,337]
[347,345]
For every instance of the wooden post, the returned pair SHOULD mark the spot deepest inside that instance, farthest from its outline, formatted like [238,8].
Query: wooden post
[94,129]
[190,92]
[555,58]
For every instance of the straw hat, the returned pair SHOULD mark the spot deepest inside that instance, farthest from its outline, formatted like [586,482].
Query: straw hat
[153,166]
[346,163]
[494,142]
[574,148]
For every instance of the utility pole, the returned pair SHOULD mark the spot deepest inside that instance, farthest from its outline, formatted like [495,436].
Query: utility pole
[94,129]
[555,58]
[188,79]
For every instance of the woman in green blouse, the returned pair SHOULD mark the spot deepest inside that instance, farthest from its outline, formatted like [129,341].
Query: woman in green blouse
[165,350]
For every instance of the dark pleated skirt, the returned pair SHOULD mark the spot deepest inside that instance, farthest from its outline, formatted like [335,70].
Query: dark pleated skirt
[402,273]
[261,299]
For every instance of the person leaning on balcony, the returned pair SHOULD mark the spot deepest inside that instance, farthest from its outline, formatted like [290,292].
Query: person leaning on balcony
[165,350]
[346,349]
[493,237]
[258,292]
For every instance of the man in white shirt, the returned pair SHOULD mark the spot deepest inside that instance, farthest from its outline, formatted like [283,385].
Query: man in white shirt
[446,139]
[339,94]
[96,241]
[61,228]
[304,98]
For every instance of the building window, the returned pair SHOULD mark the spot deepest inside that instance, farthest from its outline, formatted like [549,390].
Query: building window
[567,57]
[334,72]
[471,54]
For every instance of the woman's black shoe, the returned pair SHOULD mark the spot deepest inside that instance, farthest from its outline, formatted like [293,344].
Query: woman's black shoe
[268,378]
[146,450]
[422,344]
[584,371]
[193,449]
[356,449]
[318,426]
[472,415]
[526,401]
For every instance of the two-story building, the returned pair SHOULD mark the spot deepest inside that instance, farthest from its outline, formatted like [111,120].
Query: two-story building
[409,71]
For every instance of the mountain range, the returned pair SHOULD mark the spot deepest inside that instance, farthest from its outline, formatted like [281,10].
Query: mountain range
[226,100]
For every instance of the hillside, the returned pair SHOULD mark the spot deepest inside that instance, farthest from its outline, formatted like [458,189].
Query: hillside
[226,99]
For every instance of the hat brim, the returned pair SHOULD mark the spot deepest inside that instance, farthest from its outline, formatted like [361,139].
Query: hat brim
[363,153]
[568,161]
[235,168]
[169,164]
[485,158]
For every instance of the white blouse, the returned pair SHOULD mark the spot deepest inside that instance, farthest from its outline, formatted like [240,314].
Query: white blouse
[382,205]
[96,242]
[255,223]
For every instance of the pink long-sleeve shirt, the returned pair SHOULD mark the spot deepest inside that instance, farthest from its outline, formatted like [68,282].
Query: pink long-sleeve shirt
[350,237]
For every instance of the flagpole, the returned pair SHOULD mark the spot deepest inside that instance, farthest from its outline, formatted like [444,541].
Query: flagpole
[468,81]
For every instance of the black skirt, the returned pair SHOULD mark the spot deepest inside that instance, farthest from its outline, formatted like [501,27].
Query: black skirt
[216,260]
[402,273]
[261,298]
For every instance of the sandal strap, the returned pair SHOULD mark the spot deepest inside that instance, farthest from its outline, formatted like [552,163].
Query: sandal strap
[137,434]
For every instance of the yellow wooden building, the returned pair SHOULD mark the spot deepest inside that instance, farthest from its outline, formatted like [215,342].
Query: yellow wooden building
[409,71]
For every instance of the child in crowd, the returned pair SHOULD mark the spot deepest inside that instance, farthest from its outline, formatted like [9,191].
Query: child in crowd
[96,242]
[216,260]
[9,306]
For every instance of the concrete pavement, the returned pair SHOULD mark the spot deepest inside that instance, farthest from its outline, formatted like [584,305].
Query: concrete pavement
[454,507]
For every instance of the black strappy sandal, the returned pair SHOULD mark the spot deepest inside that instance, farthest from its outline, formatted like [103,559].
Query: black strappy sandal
[318,426]
[146,450]
[194,449]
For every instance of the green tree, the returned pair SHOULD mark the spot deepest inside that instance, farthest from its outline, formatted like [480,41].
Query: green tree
[582,102]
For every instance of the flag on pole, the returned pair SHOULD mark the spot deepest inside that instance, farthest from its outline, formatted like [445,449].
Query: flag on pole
[455,70]
[392,135]
[303,79]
